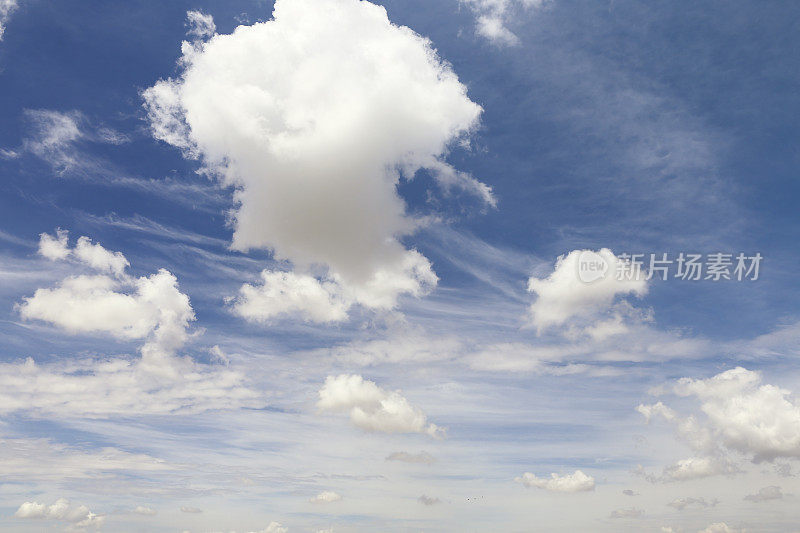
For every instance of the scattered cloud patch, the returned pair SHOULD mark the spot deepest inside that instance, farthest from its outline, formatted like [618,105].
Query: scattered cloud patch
[290,294]
[576,482]
[148,308]
[56,137]
[372,408]
[739,414]
[61,511]
[492,17]
[200,25]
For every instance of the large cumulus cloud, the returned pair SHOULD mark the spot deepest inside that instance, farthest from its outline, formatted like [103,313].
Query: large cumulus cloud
[314,117]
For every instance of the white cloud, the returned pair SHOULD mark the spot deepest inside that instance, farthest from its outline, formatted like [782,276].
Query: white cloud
[53,136]
[54,247]
[372,408]
[287,293]
[153,308]
[200,24]
[57,138]
[772,492]
[576,482]
[7,7]
[314,117]
[740,414]
[405,457]
[491,17]
[99,258]
[570,293]
[327,496]
[144,510]
[61,510]
[31,510]
[698,467]
[190,510]
[149,308]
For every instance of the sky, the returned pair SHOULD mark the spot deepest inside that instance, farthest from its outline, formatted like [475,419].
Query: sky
[418,266]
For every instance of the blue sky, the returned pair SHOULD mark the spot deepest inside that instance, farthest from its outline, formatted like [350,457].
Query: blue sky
[316,275]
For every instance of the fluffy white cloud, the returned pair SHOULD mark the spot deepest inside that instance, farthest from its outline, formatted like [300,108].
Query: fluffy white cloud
[491,17]
[287,293]
[99,258]
[61,510]
[7,7]
[152,309]
[740,414]
[144,510]
[314,117]
[200,24]
[190,510]
[55,247]
[372,408]
[773,492]
[583,285]
[149,308]
[576,482]
[327,496]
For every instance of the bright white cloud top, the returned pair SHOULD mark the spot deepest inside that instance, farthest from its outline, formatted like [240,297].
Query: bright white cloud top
[314,117]
[575,482]
[372,408]
[566,295]
[762,422]
[79,517]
